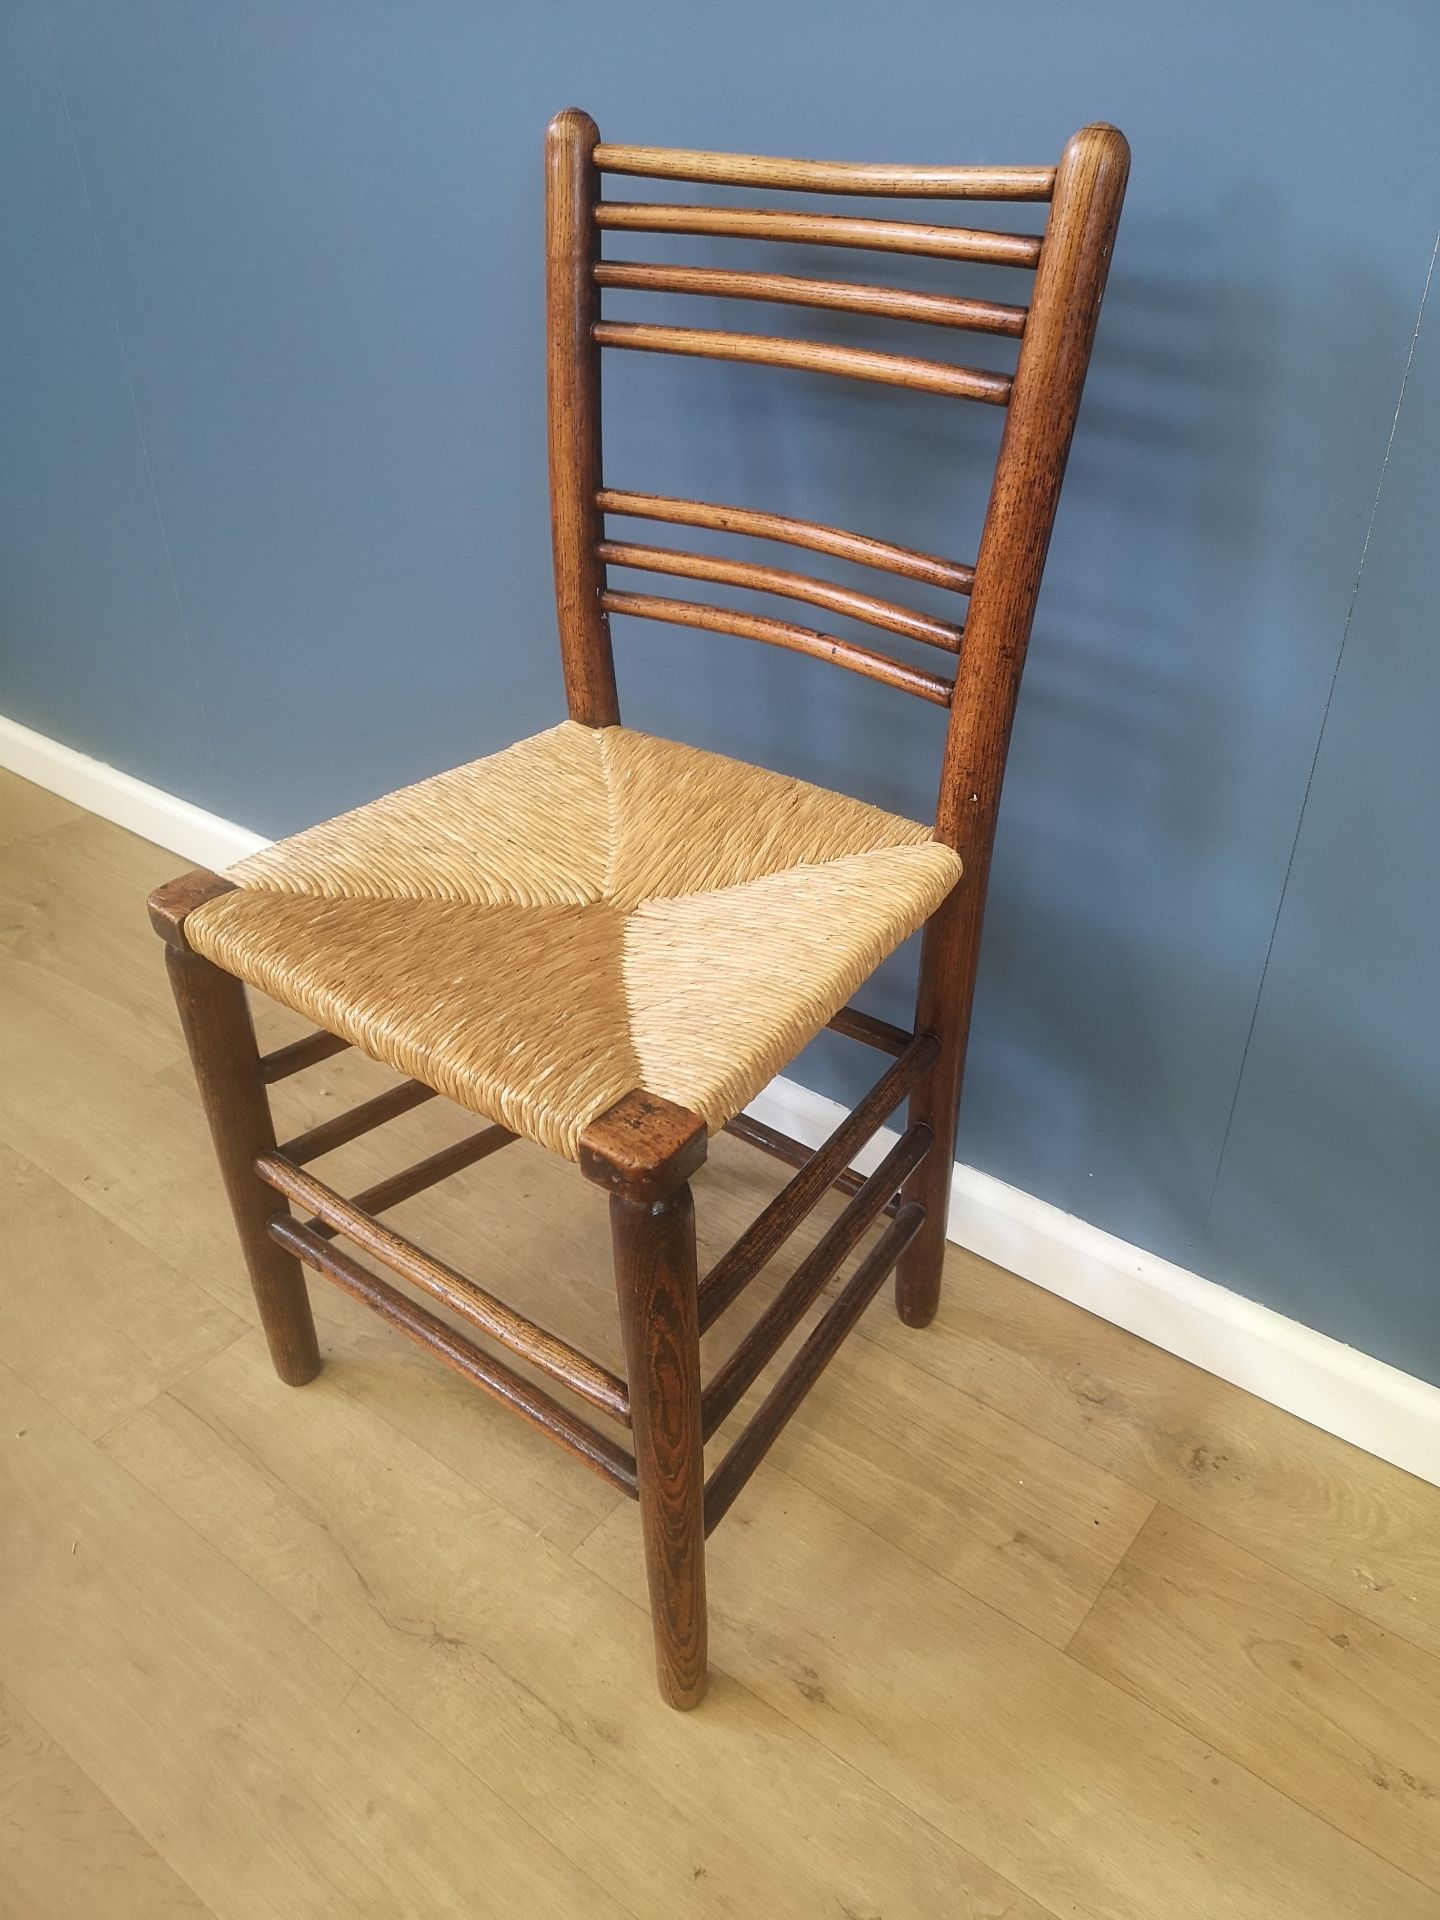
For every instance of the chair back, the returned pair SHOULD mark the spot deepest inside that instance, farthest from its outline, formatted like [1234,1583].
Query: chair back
[1054,330]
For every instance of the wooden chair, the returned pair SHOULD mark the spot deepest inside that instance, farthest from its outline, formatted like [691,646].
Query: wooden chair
[608,943]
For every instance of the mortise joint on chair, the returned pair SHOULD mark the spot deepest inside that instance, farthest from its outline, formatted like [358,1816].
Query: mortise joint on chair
[653,914]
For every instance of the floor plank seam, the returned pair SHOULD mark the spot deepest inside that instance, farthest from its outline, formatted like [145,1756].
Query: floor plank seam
[1212,1745]
[1353,1601]
[1113,1575]
[1006,1413]
[203,1908]
[1347,1602]
[358,1675]
[168,1390]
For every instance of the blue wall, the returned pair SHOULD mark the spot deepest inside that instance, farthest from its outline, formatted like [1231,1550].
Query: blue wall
[273,453]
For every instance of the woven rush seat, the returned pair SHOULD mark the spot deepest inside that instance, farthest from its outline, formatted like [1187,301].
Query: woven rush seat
[588,912]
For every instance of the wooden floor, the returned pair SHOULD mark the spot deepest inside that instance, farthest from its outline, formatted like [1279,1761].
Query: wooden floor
[1022,1618]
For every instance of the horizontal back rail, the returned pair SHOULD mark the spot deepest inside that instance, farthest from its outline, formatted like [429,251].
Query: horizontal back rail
[481,1369]
[823,230]
[1052,323]
[840,296]
[866,551]
[575,1370]
[827,176]
[781,633]
[790,586]
[809,356]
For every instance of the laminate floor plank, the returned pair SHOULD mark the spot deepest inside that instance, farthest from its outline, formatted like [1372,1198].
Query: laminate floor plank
[1353,1527]
[26,809]
[114,1326]
[75,935]
[1088,1799]
[67,1852]
[272,1778]
[532,1671]
[1342,1715]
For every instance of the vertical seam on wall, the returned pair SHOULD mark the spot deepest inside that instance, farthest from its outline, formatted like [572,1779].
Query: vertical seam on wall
[186,636]
[1324,720]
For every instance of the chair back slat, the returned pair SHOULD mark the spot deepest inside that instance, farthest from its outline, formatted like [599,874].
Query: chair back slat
[822,230]
[862,548]
[839,296]
[828,176]
[866,607]
[780,633]
[810,356]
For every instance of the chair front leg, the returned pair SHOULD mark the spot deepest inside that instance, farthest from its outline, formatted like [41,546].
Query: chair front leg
[218,1032]
[655,1277]
[643,1151]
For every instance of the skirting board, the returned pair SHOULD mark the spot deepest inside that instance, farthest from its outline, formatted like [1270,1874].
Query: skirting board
[1334,1387]
[204,839]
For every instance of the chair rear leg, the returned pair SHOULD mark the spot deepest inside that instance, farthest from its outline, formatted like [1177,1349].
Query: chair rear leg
[655,1277]
[218,1031]
[947,988]
[935,1103]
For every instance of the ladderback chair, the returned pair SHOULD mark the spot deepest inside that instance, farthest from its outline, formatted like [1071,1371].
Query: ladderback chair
[607,943]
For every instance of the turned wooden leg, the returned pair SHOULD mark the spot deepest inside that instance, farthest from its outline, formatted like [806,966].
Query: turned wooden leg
[643,1151]
[947,988]
[934,1104]
[218,1031]
[655,1278]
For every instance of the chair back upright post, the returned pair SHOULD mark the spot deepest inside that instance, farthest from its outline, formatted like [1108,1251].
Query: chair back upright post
[572,362]
[1045,399]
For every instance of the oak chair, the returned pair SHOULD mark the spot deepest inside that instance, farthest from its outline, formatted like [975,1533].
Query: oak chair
[608,943]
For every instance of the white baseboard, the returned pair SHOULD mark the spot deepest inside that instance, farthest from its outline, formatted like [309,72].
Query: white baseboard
[1334,1387]
[202,838]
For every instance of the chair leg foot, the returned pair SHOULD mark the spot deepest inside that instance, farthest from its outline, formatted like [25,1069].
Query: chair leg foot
[655,1278]
[921,1267]
[216,1018]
